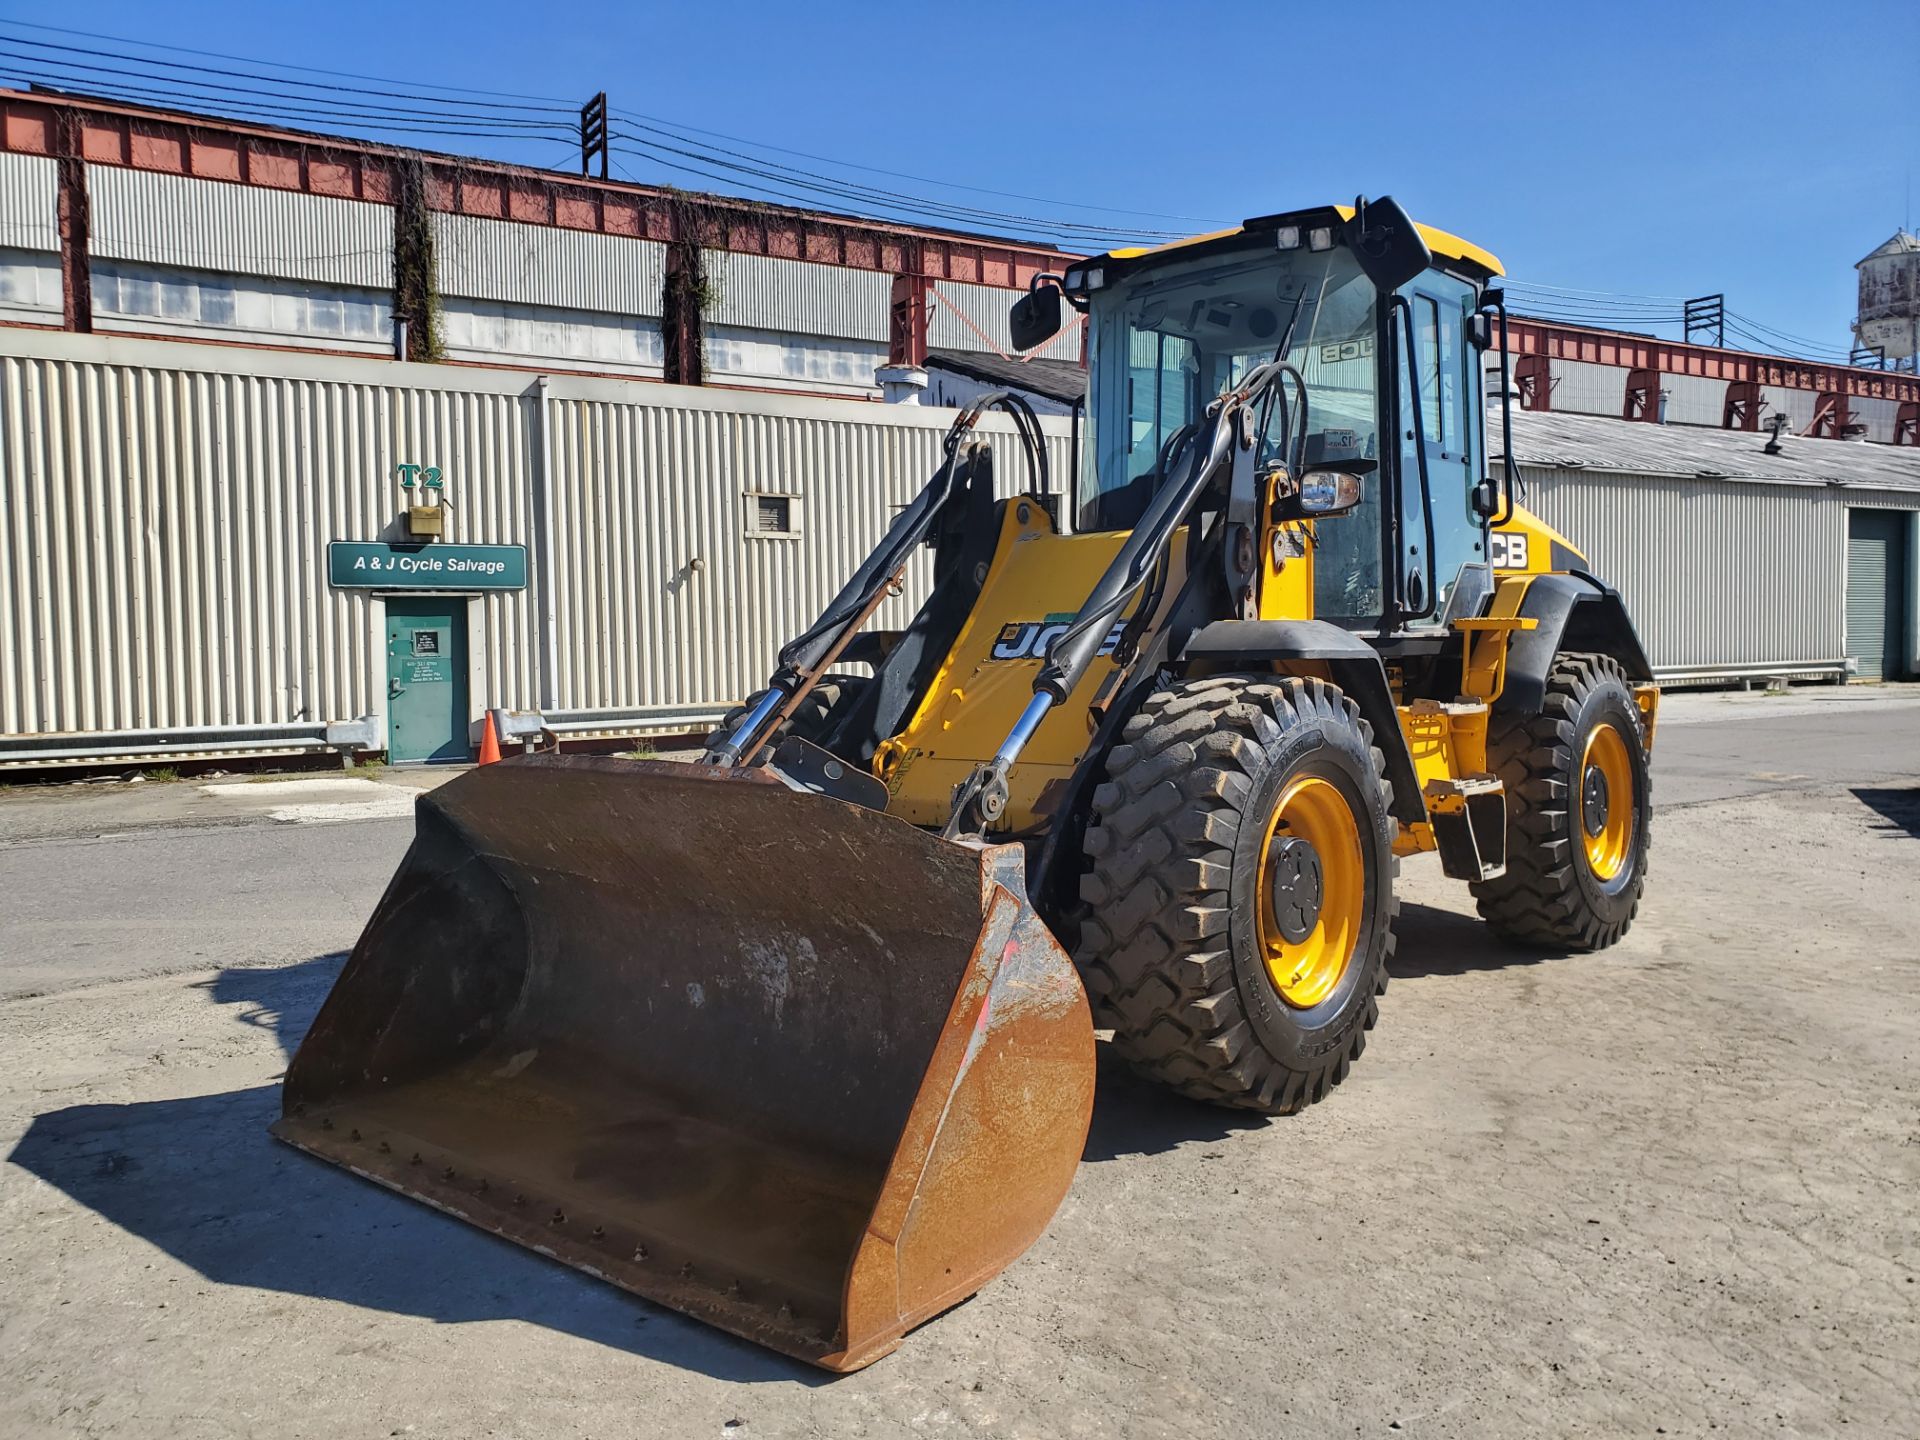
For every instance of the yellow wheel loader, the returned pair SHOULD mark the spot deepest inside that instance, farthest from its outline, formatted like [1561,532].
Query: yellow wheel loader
[800,1039]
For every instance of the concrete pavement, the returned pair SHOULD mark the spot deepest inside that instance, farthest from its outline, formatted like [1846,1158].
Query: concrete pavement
[1670,1188]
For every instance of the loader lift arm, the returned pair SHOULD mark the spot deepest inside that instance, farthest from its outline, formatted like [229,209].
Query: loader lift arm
[1226,433]
[805,658]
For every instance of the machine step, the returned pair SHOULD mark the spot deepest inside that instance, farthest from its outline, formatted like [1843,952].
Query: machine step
[1469,815]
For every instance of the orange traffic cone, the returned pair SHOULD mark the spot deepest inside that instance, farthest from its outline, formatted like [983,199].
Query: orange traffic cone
[489,743]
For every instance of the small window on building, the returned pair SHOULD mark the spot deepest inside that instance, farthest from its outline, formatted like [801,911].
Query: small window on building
[772,514]
[216,302]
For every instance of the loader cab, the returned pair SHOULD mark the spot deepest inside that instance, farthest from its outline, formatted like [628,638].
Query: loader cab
[1390,383]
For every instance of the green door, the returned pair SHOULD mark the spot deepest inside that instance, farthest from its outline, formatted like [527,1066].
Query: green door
[426,679]
[1876,586]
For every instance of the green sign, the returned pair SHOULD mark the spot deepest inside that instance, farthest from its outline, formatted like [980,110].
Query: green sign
[434,566]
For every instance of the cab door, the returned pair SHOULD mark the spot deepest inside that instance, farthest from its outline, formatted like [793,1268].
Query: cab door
[1451,432]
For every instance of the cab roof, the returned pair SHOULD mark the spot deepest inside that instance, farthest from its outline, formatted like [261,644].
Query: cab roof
[1463,254]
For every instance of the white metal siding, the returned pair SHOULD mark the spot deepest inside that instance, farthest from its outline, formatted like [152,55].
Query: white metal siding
[245,229]
[164,532]
[1587,389]
[668,599]
[546,265]
[1796,405]
[1879,416]
[1714,572]
[1692,399]
[765,292]
[165,510]
[986,306]
[29,191]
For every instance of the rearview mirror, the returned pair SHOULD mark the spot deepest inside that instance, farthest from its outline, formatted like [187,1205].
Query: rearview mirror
[1322,491]
[1036,316]
[1386,242]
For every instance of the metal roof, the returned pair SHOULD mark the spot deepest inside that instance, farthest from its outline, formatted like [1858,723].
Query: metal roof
[1901,242]
[1062,380]
[1559,441]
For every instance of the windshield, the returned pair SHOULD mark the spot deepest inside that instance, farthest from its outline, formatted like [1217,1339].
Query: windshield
[1168,341]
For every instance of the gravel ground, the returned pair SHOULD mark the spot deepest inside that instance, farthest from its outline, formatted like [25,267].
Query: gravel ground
[1667,1189]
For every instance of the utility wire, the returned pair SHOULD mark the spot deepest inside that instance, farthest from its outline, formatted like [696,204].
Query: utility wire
[850,190]
[82,71]
[683,131]
[554,101]
[485,115]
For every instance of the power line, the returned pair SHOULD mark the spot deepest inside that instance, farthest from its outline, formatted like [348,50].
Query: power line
[196,88]
[850,190]
[249,94]
[409,84]
[682,131]
[282,114]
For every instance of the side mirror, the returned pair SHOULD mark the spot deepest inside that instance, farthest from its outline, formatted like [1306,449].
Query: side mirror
[1323,491]
[1386,242]
[1036,315]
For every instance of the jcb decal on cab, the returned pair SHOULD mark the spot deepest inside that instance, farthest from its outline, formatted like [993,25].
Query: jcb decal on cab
[1032,639]
[1508,550]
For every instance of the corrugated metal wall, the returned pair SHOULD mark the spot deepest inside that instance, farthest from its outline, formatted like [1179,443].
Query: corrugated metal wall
[164,534]
[165,510]
[28,195]
[1714,573]
[246,229]
[1588,389]
[764,292]
[1691,399]
[654,500]
[544,265]
[987,306]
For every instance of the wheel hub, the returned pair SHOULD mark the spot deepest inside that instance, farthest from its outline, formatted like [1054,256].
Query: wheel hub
[1296,887]
[1593,800]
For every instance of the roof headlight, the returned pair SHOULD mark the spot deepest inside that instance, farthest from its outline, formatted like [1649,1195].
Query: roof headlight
[1096,277]
[1287,237]
[1320,238]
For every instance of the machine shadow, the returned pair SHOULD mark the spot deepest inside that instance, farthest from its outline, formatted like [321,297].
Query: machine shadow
[201,1179]
[1440,942]
[283,999]
[1133,1116]
[1898,809]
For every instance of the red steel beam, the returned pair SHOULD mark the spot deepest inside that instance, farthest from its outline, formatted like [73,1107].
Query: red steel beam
[1551,338]
[211,148]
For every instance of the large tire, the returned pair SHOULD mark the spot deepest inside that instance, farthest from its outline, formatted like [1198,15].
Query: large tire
[1566,886]
[1173,946]
[805,721]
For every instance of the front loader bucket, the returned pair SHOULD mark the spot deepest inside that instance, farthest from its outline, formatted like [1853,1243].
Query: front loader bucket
[791,1066]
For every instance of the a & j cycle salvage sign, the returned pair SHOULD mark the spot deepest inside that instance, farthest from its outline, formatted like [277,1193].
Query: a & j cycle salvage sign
[437,566]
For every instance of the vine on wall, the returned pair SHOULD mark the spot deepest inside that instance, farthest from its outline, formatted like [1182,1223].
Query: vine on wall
[416,281]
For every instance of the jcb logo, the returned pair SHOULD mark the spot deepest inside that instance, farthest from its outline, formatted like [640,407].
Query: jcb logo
[1507,551]
[1033,639]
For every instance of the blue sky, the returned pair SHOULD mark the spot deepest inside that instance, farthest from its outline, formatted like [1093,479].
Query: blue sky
[1755,148]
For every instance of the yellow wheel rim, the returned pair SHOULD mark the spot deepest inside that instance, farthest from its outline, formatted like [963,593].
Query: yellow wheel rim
[1606,802]
[1311,900]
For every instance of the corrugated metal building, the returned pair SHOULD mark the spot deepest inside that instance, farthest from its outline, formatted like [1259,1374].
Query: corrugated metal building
[198,227]
[166,513]
[1736,562]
